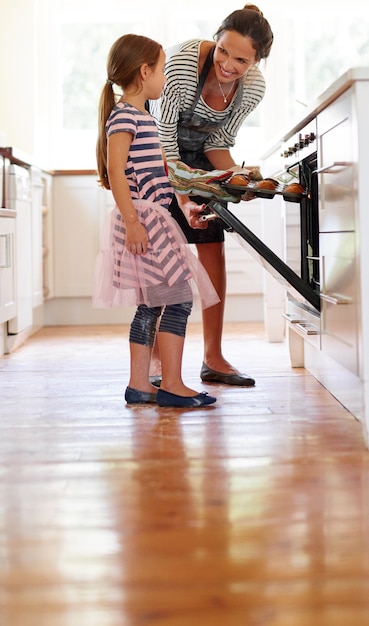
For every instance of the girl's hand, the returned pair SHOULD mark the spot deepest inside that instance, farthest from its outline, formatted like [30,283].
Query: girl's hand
[136,238]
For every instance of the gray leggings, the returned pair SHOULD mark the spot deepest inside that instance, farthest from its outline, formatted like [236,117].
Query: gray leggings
[173,320]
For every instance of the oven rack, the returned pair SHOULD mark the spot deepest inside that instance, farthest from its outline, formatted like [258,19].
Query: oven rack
[240,190]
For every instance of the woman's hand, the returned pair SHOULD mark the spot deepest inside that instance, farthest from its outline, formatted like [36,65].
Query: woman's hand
[136,238]
[195,213]
[192,212]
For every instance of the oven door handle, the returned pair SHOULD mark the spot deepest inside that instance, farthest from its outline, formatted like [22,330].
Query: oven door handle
[328,168]
[5,251]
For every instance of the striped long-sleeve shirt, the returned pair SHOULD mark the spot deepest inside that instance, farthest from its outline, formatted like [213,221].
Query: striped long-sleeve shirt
[179,93]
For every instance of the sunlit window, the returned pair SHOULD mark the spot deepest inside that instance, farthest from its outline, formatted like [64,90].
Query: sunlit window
[314,44]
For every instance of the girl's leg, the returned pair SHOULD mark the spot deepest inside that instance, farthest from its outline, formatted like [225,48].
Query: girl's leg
[141,339]
[171,335]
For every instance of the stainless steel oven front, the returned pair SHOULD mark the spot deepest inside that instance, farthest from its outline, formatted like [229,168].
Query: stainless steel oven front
[298,268]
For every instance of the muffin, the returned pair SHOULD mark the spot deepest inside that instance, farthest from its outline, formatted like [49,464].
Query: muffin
[269,184]
[294,188]
[239,179]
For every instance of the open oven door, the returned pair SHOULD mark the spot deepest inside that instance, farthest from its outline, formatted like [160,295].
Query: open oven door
[266,257]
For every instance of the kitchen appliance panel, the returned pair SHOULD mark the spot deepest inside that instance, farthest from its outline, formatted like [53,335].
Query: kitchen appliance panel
[7,282]
[20,199]
[336,167]
[292,236]
[339,323]
[304,321]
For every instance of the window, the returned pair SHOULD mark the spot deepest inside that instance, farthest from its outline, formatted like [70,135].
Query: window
[314,44]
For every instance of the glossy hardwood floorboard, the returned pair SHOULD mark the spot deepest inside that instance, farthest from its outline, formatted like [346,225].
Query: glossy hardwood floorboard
[251,512]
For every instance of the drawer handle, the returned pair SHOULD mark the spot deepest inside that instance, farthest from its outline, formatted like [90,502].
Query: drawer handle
[307,329]
[335,298]
[332,166]
[292,320]
[5,251]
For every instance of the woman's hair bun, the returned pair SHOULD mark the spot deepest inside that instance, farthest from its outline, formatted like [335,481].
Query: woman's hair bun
[253,7]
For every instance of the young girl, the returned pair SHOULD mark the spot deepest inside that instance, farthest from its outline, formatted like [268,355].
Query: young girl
[145,260]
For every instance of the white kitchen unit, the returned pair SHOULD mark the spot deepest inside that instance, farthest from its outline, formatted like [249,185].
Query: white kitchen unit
[80,211]
[7,269]
[333,341]
[21,275]
[37,189]
[20,200]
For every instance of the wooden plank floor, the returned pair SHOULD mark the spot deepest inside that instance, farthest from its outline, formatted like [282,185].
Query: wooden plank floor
[251,512]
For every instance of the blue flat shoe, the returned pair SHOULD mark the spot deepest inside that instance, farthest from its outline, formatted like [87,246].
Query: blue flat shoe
[164,398]
[134,396]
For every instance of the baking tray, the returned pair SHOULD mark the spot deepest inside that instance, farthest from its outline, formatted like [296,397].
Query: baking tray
[240,190]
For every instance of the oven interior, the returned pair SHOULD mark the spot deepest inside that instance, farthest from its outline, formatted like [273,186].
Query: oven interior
[310,272]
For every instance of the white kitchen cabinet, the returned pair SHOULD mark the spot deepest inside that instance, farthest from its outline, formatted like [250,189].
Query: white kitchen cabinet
[7,269]
[78,216]
[80,210]
[337,350]
[37,235]
[47,236]
[336,131]
[338,223]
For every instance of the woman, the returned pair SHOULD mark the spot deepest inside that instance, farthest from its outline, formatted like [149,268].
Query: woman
[210,90]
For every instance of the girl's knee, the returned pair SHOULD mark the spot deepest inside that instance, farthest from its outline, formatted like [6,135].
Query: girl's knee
[143,327]
[174,318]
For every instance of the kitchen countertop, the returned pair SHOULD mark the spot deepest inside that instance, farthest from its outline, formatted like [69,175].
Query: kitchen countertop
[343,83]
[8,213]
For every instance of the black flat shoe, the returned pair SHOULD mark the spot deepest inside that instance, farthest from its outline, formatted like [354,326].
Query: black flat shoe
[155,380]
[208,375]
[164,398]
[134,396]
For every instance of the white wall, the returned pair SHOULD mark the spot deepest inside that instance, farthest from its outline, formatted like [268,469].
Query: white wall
[17,74]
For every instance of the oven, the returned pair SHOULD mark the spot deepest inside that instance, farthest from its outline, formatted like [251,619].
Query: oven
[302,238]
[302,225]
[296,266]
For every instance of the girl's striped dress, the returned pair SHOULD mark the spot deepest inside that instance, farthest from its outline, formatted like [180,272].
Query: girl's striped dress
[169,273]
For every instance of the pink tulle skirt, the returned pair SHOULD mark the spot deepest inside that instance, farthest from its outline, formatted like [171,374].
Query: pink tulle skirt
[169,272]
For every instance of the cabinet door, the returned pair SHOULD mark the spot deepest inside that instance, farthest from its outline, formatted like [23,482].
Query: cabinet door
[76,226]
[37,251]
[336,166]
[7,278]
[339,297]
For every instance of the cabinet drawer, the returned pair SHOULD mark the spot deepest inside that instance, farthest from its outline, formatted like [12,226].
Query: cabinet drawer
[339,296]
[336,167]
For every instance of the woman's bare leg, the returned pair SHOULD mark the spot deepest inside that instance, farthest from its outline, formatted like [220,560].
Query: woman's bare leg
[155,365]
[212,257]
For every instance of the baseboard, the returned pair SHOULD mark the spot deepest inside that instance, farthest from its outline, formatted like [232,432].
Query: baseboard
[78,311]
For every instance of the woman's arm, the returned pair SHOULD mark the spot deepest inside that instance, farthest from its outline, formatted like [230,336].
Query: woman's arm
[220,159]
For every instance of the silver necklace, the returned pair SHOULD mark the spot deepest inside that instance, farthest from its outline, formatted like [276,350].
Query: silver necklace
[225,96]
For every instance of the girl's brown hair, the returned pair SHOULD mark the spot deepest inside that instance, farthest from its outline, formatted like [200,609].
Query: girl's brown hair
[125,59]
[250,22]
